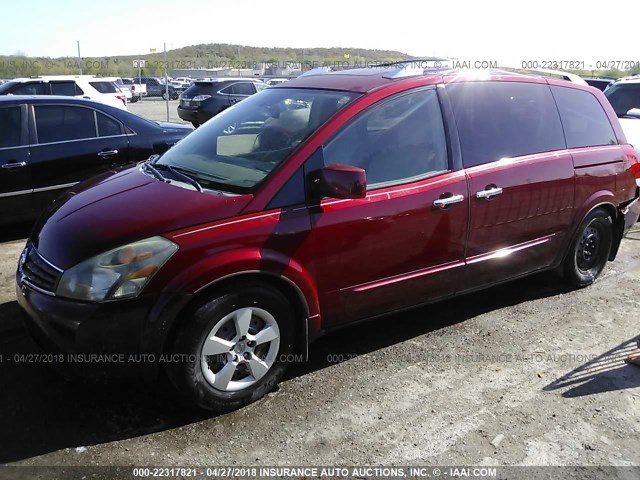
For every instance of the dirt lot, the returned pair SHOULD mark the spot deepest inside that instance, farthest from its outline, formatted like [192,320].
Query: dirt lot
[531,373]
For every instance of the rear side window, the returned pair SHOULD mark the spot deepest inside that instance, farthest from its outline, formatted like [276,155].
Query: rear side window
[64,88]
[104,87]
[57,123]
[504,119]
[585,122]
[397,141]
[107,126]
[32,88]
[10,126]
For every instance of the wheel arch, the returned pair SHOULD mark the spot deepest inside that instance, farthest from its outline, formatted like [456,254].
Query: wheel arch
[286,286]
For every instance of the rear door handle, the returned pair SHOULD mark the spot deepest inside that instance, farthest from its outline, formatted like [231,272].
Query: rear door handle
[446,201]
[13,164]
[490,192]
[107,153]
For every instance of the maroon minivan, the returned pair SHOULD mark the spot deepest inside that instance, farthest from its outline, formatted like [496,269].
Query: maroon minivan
[333,198]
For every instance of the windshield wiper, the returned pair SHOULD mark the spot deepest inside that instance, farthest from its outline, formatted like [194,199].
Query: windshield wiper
[151,169]
[177,173]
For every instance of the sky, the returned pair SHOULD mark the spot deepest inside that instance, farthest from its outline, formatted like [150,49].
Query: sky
[494,30]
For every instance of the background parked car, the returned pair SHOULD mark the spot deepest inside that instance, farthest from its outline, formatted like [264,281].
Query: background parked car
[600,83]
[138,90]
[623,94]
[206,98]
[83,86]
[157,88]
[50,143]
[125,89]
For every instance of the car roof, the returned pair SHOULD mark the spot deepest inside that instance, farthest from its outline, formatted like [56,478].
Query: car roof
[363,80]
[4,99]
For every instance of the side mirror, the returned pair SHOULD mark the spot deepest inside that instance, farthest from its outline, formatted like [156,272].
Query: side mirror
[337,181]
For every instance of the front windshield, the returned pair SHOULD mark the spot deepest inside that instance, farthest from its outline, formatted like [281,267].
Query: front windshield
[239,147]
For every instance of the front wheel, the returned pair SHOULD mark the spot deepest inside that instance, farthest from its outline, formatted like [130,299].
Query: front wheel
[233,349]
[590,248]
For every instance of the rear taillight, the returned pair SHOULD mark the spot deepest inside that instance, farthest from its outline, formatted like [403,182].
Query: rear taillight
[133,88]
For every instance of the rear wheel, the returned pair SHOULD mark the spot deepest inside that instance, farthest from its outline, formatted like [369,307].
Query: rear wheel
[590,248]
[233,349]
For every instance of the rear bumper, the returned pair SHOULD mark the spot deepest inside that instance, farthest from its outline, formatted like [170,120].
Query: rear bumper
[197,116]
[631,214]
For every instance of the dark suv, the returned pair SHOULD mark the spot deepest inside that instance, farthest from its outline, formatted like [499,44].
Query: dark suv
[624,95]
[329,200]
[207,98]
[156,87]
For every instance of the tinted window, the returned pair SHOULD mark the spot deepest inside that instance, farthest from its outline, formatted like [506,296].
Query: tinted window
[107,126]
[59,123]
[504,119]
[10,127]
[63,88]
[244,88]
[394,141]
[104,87]
[624,97]
[585,121]
[32,88]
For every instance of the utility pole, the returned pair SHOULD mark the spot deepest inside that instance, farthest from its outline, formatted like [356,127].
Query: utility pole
[166,78]
[79,58]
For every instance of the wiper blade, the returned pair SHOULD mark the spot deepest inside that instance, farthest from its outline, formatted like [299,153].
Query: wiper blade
[177,173]
[151,169]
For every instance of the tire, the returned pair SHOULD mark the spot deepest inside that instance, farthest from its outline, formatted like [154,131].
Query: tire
[134,99]
[236,370]
[589,250]
[164,95]
[174,95]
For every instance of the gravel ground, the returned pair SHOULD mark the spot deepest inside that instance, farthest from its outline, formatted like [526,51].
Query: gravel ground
[530,373]
[154,108]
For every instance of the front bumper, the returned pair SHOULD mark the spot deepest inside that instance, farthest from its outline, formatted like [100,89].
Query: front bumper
[111,340]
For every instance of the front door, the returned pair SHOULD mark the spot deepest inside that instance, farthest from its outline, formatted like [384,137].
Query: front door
[15,165]
[404,243]
[73,143]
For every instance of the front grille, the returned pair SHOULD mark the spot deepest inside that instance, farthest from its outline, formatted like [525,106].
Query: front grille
[39,272]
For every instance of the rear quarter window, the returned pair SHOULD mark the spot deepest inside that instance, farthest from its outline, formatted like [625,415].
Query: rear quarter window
[585,122]
[10,126]
[504,119]
[104,87]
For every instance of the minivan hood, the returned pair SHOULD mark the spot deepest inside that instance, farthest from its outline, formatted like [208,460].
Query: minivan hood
[117,208]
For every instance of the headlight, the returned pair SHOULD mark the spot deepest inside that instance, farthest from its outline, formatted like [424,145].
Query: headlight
[119,273]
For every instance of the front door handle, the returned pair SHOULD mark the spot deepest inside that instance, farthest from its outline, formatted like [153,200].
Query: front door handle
[107,153]
[446,201]
[14,164]
[490,192]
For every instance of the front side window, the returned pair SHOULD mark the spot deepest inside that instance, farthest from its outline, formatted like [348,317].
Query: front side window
[396,141]
[32,88]
[10,126]
[57,123]
[585,122]
[237,149]
[504,119]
